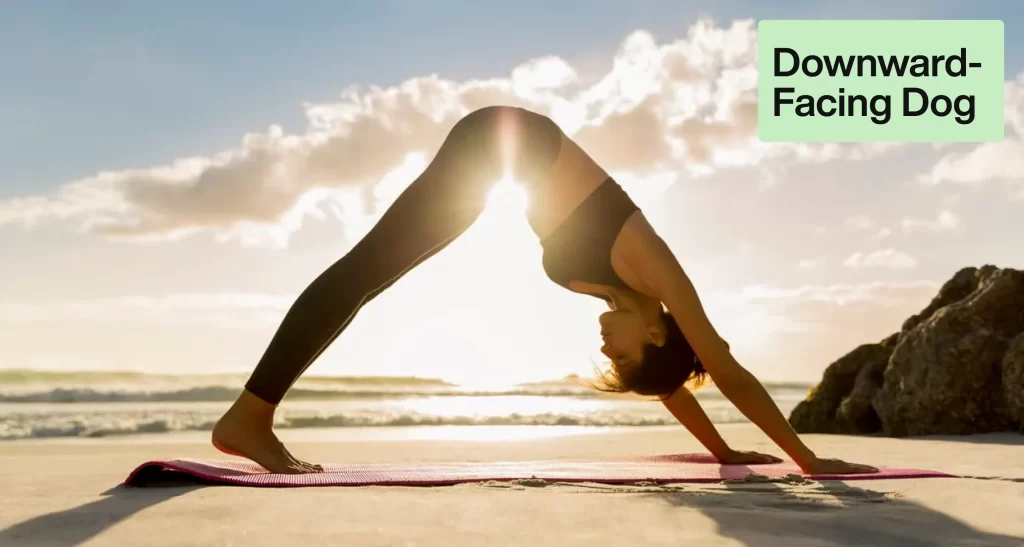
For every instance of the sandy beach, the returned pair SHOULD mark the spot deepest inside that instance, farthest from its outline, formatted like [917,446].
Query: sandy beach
[66,492]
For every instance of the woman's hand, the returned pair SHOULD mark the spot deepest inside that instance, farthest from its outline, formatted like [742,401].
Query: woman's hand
[824,466]
[734,457]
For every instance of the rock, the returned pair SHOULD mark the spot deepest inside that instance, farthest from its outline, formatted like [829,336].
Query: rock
[817,413]
[856,413]
[1013,380]
[956,289]
[957,367]
[945,374]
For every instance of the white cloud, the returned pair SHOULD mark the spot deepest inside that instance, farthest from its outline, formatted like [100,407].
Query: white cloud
[888,258]
[946,221]
[211,309]
[688,105]
[991,161]
[838,315]
[542,74]
[988,161]
[881,234]
[794,332]
[841,293]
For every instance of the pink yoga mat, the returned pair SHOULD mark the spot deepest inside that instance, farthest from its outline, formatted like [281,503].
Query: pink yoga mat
[677,468]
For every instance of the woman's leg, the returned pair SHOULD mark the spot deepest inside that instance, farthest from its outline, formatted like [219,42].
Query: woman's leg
[433,211]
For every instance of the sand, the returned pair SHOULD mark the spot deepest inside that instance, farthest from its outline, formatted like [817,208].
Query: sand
[68,493]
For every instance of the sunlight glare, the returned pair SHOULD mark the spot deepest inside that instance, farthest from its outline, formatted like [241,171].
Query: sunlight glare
[507,198]
[497,406]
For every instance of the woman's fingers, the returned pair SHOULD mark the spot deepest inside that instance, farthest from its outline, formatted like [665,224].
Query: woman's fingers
[758,457]
[751,457]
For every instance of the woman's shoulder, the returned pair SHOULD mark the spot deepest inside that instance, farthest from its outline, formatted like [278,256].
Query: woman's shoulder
[639,241]
[641,257]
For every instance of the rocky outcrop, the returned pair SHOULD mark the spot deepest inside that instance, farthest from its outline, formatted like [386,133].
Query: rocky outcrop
[957,367]
[945,375]
[856,412]
[819,412]
[1013,380]
[956,289]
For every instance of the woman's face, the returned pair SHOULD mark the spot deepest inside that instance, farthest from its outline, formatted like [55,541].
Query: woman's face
[625,332]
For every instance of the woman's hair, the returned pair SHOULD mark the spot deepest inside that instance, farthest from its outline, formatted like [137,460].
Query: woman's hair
[661,371]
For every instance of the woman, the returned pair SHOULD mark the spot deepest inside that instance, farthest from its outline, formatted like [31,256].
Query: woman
[596,242]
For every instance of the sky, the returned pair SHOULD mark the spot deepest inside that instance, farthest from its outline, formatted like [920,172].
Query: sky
[173,175]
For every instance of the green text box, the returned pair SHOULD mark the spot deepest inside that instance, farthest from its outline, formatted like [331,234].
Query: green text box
[841,45]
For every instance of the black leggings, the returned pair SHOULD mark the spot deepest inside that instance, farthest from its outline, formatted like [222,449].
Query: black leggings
[434,210]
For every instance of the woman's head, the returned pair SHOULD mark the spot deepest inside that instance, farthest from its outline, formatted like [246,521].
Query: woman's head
[649,354]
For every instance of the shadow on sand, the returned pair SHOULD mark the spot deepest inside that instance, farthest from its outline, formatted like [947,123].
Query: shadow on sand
[80,524]
[818,514]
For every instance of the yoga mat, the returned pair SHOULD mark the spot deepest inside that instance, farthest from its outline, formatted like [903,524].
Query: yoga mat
[676,468]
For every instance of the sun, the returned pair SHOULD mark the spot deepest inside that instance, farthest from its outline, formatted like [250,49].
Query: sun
[507,198]
[504,217]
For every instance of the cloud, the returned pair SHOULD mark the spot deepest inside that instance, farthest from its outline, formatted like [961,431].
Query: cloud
[703,137]
[850,310]
[794,332]
[688,105]
[888,258]
[986,162]
[946,222]
[841,293]
[881,234]
[766,311]
[991,161]
[542,74]
[647,148]
[210,309]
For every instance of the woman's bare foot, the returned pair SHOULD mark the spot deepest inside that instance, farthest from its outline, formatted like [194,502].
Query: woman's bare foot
[246,430]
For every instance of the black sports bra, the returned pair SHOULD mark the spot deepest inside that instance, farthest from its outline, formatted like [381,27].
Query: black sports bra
[580,248]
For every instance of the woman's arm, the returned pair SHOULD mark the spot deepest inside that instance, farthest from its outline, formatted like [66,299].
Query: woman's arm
[685,408]
[735,382]
[664,276]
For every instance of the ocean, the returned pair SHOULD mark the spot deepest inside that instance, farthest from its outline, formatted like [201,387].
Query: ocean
[37,404]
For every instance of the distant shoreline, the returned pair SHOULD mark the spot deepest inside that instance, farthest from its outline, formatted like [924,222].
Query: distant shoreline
[21,376]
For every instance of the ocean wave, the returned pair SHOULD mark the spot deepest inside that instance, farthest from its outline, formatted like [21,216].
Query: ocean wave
[32,386]
[37,426]
[213,394]
[86,377]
